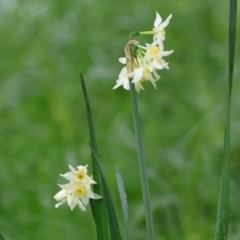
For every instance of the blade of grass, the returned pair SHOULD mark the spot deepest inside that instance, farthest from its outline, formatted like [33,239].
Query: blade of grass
[124,203]
[142,167]
[1,237]
[112,219]
[98,207]
[223,201]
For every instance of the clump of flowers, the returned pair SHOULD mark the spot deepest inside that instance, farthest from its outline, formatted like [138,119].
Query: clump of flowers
[78,190]
[143,61]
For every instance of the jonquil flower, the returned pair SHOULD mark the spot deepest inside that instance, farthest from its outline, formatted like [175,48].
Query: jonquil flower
[142,62]
[140,74]
[154,55]
[123,79]
[78,174]
[159,31]
[78,190]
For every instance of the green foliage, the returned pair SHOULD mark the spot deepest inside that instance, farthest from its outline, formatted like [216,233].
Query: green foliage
[43,125]
[123,198]
[99,208]
[1,237]
[112,219]
[223,202]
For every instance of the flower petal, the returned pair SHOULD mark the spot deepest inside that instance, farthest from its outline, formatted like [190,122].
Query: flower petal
[138,86]
[60,203]
[72,201]
[122,60]
[138,75]
[81,206]
[166,22]
[157,21]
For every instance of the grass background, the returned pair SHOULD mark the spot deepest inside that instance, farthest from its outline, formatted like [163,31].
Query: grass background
[43,125]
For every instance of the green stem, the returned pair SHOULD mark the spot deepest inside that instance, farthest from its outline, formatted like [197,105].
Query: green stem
[142,167]
[223,201]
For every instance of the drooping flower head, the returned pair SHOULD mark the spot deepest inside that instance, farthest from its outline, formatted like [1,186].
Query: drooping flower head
[142,62]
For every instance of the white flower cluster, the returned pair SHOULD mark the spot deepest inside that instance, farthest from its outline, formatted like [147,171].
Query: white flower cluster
[145,60]
[78,190]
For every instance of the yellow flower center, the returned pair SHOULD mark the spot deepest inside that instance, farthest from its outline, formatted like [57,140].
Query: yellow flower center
[145,70]
[162,31]
[80,176]
[79,191]
[154,50]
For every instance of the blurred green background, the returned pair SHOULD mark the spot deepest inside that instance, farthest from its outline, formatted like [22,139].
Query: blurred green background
[43,125]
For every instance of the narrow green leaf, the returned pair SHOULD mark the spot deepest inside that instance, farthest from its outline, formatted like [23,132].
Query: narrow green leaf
[124,203]
[98,207]
[1,237]
[223,201]
[232,40]
[142,167]
[112,219]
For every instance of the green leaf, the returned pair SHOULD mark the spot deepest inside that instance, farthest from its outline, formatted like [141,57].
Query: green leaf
[142,167]
[112,219]
[98,207]
[1,237]
[124,203]
[223,201]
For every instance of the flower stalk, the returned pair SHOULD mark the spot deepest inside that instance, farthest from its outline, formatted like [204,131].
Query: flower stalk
[142,167]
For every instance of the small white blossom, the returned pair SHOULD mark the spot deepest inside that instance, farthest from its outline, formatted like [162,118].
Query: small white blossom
[159,31]
[123,79]
[61,197]
[78,174]
[141,75]
[153,56]
[75,193]
[78,190]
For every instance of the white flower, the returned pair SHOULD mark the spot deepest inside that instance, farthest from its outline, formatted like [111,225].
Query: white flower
[78,190]
[75,193]
[159,31]
[123,79]
[153,56]
[78,174]
[141,75]
[142,62]
[61,197]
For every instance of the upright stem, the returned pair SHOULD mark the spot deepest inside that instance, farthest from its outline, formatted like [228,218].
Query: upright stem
[223,200]
[142,167]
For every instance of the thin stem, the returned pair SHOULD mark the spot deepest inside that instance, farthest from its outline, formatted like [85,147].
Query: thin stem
[142,167]
[223,201]
[146,32]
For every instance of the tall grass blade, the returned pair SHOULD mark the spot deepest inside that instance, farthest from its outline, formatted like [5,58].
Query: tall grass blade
[223,201]
[142,167]
[112,219]
[1,237]
[124,203]
[98,207]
